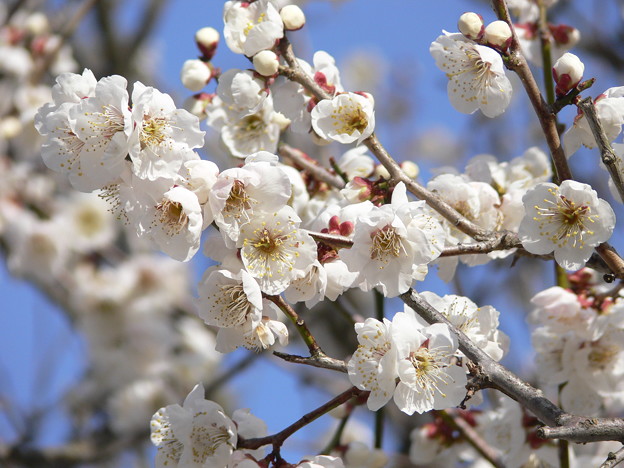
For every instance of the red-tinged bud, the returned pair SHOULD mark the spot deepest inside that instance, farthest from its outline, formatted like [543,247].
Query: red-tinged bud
[471,26]
[292,17]
[346,228]
[334,224]
[564,35]
[498,35]
[198,103]
[321,80]
[529,30]
[207,40]
[567,72]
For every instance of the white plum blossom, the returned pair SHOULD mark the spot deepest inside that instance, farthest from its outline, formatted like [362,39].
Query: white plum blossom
[161,133]
[230,300]
[240,193]
[373,366]
[569,220]
[103,122]
[195,74]
[480,324]
[476,75]
[346,118]
[610,111]
[429,376]
[393,244]
[241,92]
[251,27]
[196,434]
[321,461]
[274,250]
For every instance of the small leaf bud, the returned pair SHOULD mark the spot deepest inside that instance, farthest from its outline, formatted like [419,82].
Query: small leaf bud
[471,25]
[207,40]
[292,17]
[266,62]
[195,74]
[498,35]
[567,72]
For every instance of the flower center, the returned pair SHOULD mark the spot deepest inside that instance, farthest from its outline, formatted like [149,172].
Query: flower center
[386,243]
[206,440]
[172,216]
[153,131]
[349,119]
[563,221]
[235,305]
[429,365]
[238,200]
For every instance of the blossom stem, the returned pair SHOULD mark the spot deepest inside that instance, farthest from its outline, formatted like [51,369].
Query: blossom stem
[518,63]
[335,440]
[302,328]
[545,42]
[613,459]
[278,439]
[379,415]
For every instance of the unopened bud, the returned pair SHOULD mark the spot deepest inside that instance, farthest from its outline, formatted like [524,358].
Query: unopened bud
[567,72]
[565,36]
[266,62]
[10,127]
[292,17]
[195,74]
[381,171]
[410,168]
[207,40]
[498,34]
[471,25]
[198,103]
[37,23]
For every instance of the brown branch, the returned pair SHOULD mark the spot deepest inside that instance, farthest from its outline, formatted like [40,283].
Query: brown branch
[278,439]
[507,240]
[322,361]
[613,459]
[516,62]
[294,73]
[612,259]
[566,426]
[611,160]
[473,437]
[333,240]
[300,159]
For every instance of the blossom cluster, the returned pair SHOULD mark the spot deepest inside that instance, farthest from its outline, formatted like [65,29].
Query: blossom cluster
[578,341]
[423,358]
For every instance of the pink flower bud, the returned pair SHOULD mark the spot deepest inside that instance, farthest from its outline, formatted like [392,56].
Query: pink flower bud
[207,40]
[498,35]
[471,25]
[567,72]
[565,36]
[292,17]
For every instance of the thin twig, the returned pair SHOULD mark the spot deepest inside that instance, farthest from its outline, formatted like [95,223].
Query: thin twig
[278,439]
[300,159]
[613,459]
[300,325]
[323,361]
[473,437]
[518,63]
[64,35]
[612,259]
[611,160]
